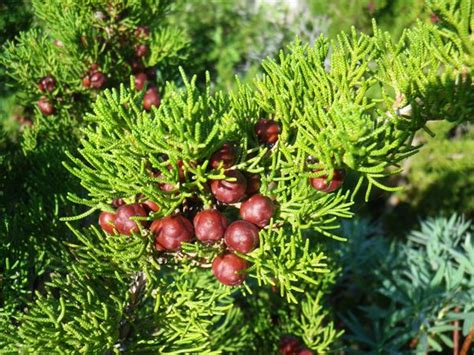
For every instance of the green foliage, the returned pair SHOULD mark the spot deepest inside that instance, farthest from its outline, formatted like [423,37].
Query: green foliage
[352,103]
[68,38]
[230,37]
[329,120]
[391,15]
[402,294]
[440,178]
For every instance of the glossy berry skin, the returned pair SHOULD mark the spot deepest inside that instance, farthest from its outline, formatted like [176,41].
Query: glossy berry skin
[267,131]
[321,183]
[229,191]
[97,80]
[253,184]
[228,269]
[289,345]
[140,81]
[225,157]
[258,210]
[123,223]
[241,236]
[210,226]
[45,106]
[151,98]
[171,231]
[141,50]
[107,222]
[47,84]
[150,206]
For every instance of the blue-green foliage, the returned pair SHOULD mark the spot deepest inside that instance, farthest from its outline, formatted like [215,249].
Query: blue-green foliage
[400,294]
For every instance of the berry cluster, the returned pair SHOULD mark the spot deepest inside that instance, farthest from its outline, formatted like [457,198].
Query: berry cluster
[211,225]
[291,346]
[46,84]
[95,78]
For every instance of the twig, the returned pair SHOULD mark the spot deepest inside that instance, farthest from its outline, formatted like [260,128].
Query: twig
[467,342]
[456,334]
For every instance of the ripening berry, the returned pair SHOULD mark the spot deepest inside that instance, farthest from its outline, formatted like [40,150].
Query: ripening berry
[258,210]
[171,231]
[253,184]
[107,222]
[225,156]
[151,98]
[140,81]
[97,80]
[47,84]
[142,32]
[267,131]
[229,191]
[289,345]
[123,223]
[209,226]
[150,206]
[94,67]
[45,106]
[304,351]
[141,50]
[229,269]
[321,183]
[241,236]
[86,81]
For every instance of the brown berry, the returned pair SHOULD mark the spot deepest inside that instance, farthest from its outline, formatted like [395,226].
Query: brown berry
[289,345]
[267,131]
[241,236]
[142,32]
[97,80]
[45,106]
[117,202]
[321,183]
[151,98]
[107,222]
[47,84]
[226,157]
[123,223]
[140,81]
[209,226]
[253,184]
[258,210]
[151,206]
[229,191]
[171,231]
[229,269]
[141,50]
